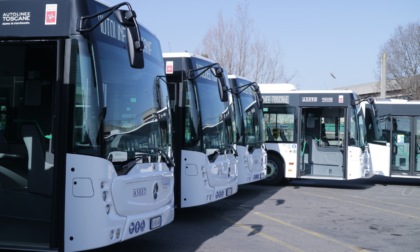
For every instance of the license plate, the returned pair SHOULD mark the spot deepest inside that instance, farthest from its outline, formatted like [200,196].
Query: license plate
[228,192]
[155,222]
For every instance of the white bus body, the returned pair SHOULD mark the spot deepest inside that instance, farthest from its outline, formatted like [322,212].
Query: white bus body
[394,138]
[85,132]
[314,134]
[252,155]
[205,158]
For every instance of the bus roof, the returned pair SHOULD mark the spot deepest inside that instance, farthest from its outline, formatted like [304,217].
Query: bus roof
[288,88]
[396,101]
[186,55]
[277,87]
[233,76]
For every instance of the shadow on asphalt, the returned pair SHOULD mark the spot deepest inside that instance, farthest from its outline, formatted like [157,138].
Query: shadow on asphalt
[381,180]
[359,184]
[194,226]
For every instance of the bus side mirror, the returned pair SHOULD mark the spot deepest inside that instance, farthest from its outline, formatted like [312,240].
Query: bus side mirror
[375,109]
[258,95]
[135,48]
[134,43]
[394,150]
[221,81]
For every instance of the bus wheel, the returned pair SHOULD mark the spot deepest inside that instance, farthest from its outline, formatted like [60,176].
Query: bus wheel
[275,171]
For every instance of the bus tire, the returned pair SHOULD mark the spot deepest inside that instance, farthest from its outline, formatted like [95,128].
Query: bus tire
[275,171]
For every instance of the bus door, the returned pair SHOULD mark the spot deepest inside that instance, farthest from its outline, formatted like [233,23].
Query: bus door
[416,169]
[26,159]
[405,140]
[378,141]
[322,135]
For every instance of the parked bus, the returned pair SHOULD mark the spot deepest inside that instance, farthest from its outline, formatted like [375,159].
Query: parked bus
[249,120]
[314,134]
[85,131]
[203,139]
[394,138]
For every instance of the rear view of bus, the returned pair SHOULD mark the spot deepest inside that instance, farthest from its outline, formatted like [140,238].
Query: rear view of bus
[206,167]
[319,134]
[85,157]
[252,156]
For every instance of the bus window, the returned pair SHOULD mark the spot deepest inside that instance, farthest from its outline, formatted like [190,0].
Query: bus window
[280,124]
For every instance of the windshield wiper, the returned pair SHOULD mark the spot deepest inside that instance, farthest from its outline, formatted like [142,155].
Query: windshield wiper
[213,157]
[124,161]
[131,162]
[169,161]
[228,149]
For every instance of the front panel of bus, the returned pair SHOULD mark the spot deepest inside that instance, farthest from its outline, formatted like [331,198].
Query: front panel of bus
[394,146]
[74,117]
[252,155]
[204,136]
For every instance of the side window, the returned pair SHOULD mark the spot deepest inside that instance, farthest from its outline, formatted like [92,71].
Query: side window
[280,124]
[191,122]
[86,101]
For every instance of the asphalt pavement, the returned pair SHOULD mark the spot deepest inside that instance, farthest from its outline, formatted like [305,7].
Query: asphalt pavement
[378,214]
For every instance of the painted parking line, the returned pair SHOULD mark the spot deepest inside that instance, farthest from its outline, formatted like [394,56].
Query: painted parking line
[364,205]
[260,234]
[307,231]
[382,202]
[283,243]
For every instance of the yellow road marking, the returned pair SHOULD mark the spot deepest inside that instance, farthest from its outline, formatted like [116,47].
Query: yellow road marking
[282,243]
[261,234]
[364,205]
[318,235]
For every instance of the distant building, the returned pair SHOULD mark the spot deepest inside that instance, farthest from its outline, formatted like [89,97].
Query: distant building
[373,89]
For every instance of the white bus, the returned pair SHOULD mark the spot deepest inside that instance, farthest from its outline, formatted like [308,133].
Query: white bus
[394,138]
[250,130]
[85,131]
[314,134]
[205,158]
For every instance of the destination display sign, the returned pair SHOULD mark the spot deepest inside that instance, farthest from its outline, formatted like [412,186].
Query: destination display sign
[308,99]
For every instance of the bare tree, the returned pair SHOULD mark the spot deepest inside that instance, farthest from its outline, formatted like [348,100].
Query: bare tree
[403,61]
[241,51]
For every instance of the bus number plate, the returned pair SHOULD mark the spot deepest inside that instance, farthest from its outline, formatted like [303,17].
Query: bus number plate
[155,222]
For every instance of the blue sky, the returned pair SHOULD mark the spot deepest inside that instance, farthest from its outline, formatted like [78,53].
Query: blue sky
[316,37]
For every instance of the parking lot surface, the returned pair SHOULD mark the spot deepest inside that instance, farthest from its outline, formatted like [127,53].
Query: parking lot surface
[304,215]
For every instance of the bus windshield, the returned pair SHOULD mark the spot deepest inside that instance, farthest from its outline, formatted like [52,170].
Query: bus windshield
[252,116]
[215,115]
[134,105]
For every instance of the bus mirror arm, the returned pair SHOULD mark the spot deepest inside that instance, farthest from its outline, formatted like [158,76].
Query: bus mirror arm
[217,71]
[255,88]
[128,19]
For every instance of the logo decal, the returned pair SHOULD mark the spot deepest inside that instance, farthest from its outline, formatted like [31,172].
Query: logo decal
[51,14]
[155,191]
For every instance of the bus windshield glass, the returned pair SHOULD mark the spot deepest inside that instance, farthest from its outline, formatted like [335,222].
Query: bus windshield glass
[134,107]
[252,117]
[215,115]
